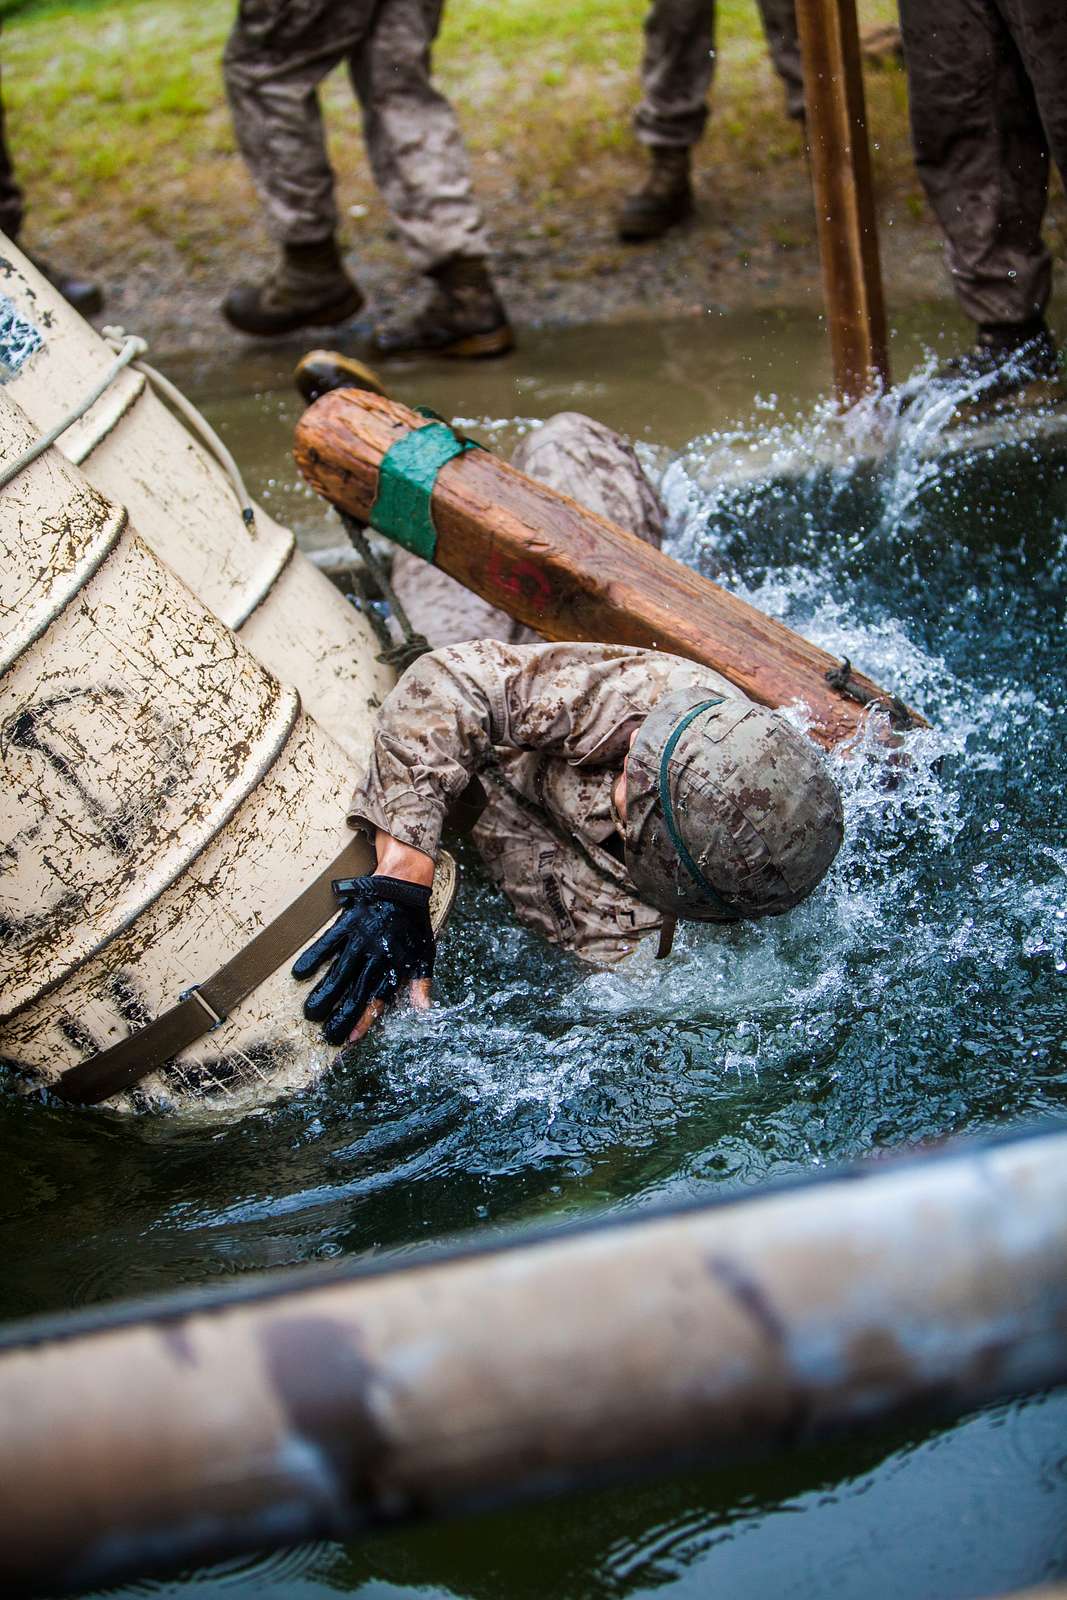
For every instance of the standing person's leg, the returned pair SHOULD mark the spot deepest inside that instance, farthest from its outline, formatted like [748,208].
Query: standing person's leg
[1039,28]
[82,294]
[276,56]
[982,156]
[780,26]
[420,165]
[11,207]
[676,73]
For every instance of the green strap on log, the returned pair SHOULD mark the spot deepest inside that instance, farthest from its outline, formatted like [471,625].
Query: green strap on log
[408,473]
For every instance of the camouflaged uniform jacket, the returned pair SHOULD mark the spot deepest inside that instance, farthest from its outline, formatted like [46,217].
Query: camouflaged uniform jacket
[546,727]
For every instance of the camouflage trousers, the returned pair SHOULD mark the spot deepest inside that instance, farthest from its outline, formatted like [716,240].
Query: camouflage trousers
[679,62]
[276,56]
[988,89]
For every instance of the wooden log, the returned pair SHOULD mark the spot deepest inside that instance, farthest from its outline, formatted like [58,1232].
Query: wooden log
[145,1438]
[844,195]
[571,574]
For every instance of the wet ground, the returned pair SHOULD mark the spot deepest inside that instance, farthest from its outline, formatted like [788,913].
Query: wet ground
[921,993]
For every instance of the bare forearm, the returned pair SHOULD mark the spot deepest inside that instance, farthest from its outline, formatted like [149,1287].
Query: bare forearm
[396,860]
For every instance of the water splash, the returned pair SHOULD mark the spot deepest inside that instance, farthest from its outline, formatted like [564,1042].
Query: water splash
[917,993]
[936,931]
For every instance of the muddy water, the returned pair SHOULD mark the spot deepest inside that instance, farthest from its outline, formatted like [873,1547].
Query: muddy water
[921,993]
[660,383]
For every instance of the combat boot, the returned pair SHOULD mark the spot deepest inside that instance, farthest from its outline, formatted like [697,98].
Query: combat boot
[462,317]
[1006,358]
[665,198]
[308,289]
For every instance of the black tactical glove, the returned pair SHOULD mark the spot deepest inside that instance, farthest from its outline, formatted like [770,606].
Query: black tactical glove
[382,939]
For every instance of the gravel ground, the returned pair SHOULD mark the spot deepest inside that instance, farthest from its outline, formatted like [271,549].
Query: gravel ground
[575,272]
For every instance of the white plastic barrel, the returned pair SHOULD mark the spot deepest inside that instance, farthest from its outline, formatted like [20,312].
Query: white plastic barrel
[183,505]
[162,797]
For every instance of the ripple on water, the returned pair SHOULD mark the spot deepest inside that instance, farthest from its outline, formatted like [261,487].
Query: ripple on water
[280,1571]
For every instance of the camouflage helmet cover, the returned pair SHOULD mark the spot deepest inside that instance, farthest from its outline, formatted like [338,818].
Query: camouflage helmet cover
[730,812]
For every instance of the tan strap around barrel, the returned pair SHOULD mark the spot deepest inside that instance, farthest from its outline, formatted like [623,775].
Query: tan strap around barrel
[207,1004]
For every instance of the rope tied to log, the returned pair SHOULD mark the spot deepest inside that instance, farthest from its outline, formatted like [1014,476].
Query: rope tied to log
[396,654]
[840,678]
[403,512]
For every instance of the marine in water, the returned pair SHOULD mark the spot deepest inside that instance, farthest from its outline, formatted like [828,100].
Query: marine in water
[615,789]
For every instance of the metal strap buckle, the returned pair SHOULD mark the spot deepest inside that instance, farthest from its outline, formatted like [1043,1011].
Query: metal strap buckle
[193,993]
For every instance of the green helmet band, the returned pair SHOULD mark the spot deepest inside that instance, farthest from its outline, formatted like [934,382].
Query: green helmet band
[706,888]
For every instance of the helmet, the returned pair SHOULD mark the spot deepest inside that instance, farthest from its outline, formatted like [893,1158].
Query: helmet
[730,812]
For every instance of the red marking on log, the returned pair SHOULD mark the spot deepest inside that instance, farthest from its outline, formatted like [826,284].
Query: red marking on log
[521,579]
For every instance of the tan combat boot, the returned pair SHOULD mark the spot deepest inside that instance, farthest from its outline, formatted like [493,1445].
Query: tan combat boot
[462,318]
[665,198]
[308,289]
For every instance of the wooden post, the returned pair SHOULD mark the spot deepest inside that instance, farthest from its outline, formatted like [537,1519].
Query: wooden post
[844,198]
[551,563]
